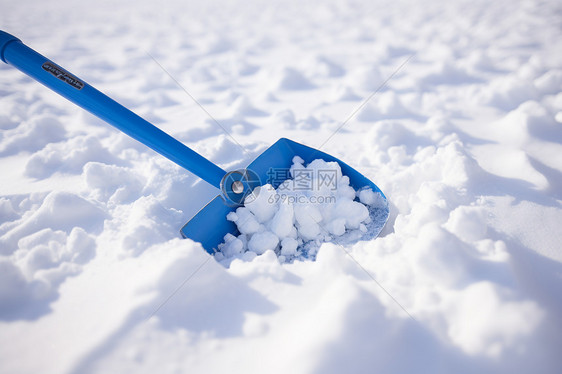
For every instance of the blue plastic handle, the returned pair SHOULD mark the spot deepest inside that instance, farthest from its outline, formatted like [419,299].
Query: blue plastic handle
[17,54]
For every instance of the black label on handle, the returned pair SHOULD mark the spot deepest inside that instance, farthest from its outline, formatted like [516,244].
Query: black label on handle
[63,75]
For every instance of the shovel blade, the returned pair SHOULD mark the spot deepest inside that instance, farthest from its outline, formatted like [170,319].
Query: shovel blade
[209,225]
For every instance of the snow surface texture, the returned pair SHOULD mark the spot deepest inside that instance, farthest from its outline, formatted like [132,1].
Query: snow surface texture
[464,140]
[315,205]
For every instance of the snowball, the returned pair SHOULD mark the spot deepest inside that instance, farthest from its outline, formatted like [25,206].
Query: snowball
[282,222]
[368,197]
[245,220]
[309,231]
[263,241]
[233,246]
[259,202]
[289,246]
[353,212]
[337,227]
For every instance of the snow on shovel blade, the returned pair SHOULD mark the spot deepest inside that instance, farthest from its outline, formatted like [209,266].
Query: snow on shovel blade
[209,225]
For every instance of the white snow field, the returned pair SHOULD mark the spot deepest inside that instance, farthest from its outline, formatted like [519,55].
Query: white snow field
[465,140]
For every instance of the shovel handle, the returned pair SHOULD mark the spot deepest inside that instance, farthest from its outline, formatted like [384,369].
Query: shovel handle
[76,90]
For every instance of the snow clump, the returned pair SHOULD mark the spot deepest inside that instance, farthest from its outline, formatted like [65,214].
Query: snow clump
[315,205]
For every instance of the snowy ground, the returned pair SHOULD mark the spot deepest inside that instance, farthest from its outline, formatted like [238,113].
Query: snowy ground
[465,140]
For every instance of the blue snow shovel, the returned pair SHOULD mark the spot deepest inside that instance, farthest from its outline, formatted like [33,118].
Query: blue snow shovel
[209,225]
